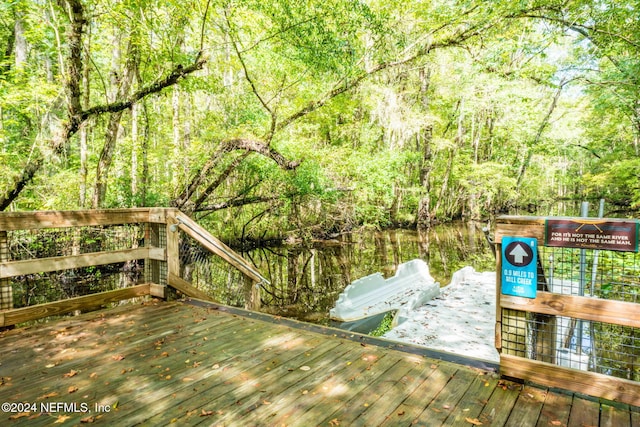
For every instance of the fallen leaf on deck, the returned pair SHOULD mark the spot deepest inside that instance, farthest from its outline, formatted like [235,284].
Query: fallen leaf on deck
[117,357]
[70,374]
[556,423]
[93,376]
[88,420]
[305,368]
[61,419]
[474,421]
[206,413]
[334,422]
[72,389]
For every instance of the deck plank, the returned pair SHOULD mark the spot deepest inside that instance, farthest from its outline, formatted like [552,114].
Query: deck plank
[354,391]
[97,360]
[395,395]
[635,417]
[407,411]
[613,416]
[584,413]
[445,403]
[501,403]
[474,400]
[527,407]
[218,365]
[281,385]
[247,391]
[556,409]
[164,363]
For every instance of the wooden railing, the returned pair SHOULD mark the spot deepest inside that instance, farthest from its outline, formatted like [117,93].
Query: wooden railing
[571,318]
[34,244]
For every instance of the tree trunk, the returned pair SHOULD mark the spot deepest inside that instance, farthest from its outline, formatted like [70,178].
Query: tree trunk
[444,188]
[526,161]
[84,131]
[144,178]
[424,139]
[120,90]
[106,157]
[20,44]
[135,118]
[177,144]
[424,206]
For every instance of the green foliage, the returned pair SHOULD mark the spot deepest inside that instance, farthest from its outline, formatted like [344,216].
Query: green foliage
[619,183]
[384,326]
[386,105]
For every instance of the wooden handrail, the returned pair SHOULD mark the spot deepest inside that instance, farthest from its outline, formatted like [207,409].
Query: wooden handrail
[12,221]
[43,265]
[206,239]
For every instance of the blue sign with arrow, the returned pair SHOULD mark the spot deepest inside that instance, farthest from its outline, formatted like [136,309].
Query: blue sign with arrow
[519,266]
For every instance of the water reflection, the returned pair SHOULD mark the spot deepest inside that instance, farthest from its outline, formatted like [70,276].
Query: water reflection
[306,281]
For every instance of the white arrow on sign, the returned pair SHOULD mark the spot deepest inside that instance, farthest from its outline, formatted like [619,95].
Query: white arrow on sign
[518,253]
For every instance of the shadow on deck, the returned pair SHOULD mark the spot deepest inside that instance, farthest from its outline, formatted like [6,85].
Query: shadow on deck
[161,363]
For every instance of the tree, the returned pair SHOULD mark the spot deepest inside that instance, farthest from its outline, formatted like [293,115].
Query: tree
[76,116]
[315,117]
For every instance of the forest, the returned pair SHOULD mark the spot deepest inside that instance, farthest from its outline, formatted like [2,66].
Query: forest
[272,119]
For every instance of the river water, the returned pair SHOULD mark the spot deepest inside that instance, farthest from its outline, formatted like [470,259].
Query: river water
[306,280]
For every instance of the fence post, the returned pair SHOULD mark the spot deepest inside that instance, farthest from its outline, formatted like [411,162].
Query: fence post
[251,294]
[173,250]
[6,291]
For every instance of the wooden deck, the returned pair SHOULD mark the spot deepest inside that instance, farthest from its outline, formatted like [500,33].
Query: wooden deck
[176,363]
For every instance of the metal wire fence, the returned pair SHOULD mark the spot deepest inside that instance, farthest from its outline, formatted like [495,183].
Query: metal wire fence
[210,273]
[31,289]
[603,274]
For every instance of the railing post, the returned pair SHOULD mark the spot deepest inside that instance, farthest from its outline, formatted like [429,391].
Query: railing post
[173,248]
[251,294]
[6,291]
[156,270]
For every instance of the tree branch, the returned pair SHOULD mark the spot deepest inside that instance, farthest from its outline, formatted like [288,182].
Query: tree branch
[254,89]
[343,86]
[171,79]
[233,203]
[76,115]
[201,176]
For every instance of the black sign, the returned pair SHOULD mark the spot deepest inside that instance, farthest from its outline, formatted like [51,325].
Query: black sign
[518,254]
[586,233]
